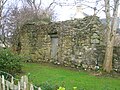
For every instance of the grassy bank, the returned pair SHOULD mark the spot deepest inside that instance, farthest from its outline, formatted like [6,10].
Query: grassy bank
[40,73]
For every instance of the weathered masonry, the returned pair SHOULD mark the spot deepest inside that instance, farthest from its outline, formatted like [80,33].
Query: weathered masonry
[76,43]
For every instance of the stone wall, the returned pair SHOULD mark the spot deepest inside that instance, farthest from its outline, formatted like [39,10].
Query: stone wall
[35,42]
[100,54]
[75,43]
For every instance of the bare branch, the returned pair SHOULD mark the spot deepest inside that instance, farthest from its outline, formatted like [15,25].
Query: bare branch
[3,3]
[39,4]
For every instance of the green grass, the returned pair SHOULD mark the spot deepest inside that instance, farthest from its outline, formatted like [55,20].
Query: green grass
[40,73]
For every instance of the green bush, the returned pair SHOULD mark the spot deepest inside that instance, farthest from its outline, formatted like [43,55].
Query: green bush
[48,86]
[10,62]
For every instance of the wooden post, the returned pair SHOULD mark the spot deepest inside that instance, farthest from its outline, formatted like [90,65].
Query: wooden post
[0,83]
[39,88]
[7,84]
[31,87]
[12,84]
[3,83]
[24,88]
[21,82]
[18,85]
[26,81]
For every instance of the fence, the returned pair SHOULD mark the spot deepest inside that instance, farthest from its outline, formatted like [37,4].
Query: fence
[8,82]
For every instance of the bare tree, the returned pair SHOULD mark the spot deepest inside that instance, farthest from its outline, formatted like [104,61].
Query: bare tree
[36,7]
[2,22]
[18,16]
[111,28]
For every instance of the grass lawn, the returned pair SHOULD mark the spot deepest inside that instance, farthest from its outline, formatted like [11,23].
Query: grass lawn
[40,73]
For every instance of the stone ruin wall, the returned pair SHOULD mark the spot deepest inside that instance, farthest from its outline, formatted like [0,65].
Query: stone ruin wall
[36,45]
[71,51]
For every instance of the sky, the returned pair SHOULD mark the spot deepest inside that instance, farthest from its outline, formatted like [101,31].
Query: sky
[64,12]
[65,9]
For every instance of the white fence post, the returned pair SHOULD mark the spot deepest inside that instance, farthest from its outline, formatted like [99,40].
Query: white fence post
[39,88]
[3,82]
[18,85]
[31,87]
[7,85]
[12,84]
[26,81]
[0,83]
[23,84]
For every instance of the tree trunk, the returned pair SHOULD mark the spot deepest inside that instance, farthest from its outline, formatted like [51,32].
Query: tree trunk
[111,32]
[107,65]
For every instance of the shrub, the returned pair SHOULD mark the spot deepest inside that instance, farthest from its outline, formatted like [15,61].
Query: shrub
[10,62]
[48,86]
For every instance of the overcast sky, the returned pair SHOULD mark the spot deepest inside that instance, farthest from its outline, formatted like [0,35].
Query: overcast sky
[66,8]
[64,12]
